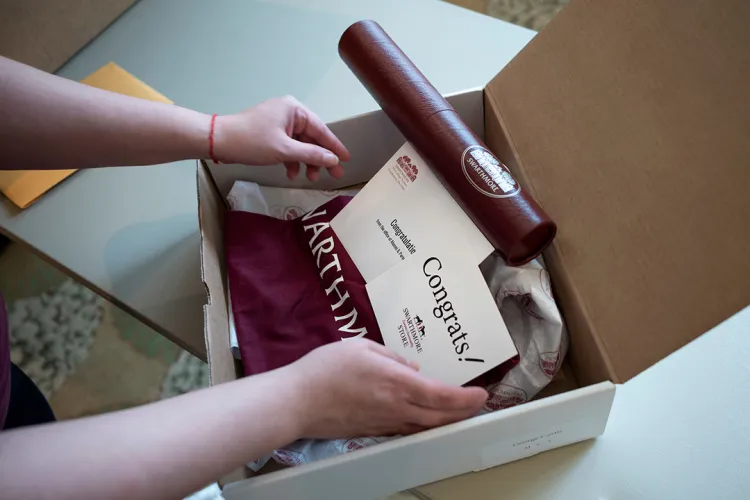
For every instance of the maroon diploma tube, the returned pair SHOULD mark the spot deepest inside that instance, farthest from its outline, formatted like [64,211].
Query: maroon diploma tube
[509,217]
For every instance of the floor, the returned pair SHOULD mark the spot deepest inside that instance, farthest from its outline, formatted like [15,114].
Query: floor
[533,14]
[46,33]
[90,357]
[85,354]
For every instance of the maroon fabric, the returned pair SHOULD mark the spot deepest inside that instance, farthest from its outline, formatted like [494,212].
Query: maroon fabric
[4,364]
[293,287]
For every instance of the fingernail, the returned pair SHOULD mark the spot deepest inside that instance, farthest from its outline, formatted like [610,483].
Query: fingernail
[330,158]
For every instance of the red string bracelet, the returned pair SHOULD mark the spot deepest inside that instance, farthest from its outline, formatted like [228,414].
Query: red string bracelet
[211,139]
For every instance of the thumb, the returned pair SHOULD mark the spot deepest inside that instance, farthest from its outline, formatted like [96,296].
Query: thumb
[311,154]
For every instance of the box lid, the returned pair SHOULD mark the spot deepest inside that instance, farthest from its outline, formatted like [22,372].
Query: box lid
[630,122]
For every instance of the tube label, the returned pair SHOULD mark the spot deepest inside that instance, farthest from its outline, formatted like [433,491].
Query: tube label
[487,174]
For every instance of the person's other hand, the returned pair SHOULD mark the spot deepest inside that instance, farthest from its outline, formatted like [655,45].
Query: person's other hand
[280,130]
[359,388]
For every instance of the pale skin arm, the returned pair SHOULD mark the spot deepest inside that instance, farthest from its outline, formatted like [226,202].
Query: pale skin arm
[162,450]
[170,448]
[48,122]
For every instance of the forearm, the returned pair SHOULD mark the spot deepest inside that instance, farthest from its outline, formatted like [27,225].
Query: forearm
[47,122]
[162,450]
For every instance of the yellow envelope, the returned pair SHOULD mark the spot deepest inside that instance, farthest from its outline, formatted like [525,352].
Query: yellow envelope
[23,187]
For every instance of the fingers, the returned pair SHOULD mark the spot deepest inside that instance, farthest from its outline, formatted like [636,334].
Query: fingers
[312,154]
[409,429]
[420,418]
[309,124]
[430,393]
[337,171]
[292,169]
[427,418]
[313,173]
[384,351]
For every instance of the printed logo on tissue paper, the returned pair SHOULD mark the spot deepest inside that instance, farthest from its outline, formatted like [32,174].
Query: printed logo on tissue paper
[291,213]
[504,396]
[549,362]
[487,174]
[290,457]
[285,213]
[526,301]
[358,444]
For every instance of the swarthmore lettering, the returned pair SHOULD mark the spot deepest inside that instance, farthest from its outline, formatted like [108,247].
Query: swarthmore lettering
[322,244]
[294,288]
[491,166]
[444,309]
[413,331]
[483,174]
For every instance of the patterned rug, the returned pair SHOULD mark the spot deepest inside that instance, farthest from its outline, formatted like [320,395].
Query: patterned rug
[86,355]
[52,334]
[66,337]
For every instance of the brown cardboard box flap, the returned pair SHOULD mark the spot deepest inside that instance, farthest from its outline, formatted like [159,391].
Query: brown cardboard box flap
[630,121]
[223,367]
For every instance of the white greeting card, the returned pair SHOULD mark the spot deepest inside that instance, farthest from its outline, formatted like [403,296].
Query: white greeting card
[395,215]
[436,309]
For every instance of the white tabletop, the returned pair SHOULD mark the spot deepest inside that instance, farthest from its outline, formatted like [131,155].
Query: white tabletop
[132,233]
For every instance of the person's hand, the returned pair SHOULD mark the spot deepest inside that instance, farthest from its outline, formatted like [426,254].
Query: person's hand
[359,388]
[280,130]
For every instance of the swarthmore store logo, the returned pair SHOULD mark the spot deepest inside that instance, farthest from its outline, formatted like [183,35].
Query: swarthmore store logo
[420,326]
[358,443]
[505,396]
[286,213]
[487,174]
[291,213]
[409,169]
[549,362]
[292,457]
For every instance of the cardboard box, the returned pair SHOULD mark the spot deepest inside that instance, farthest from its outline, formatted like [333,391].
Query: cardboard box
[628,122]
